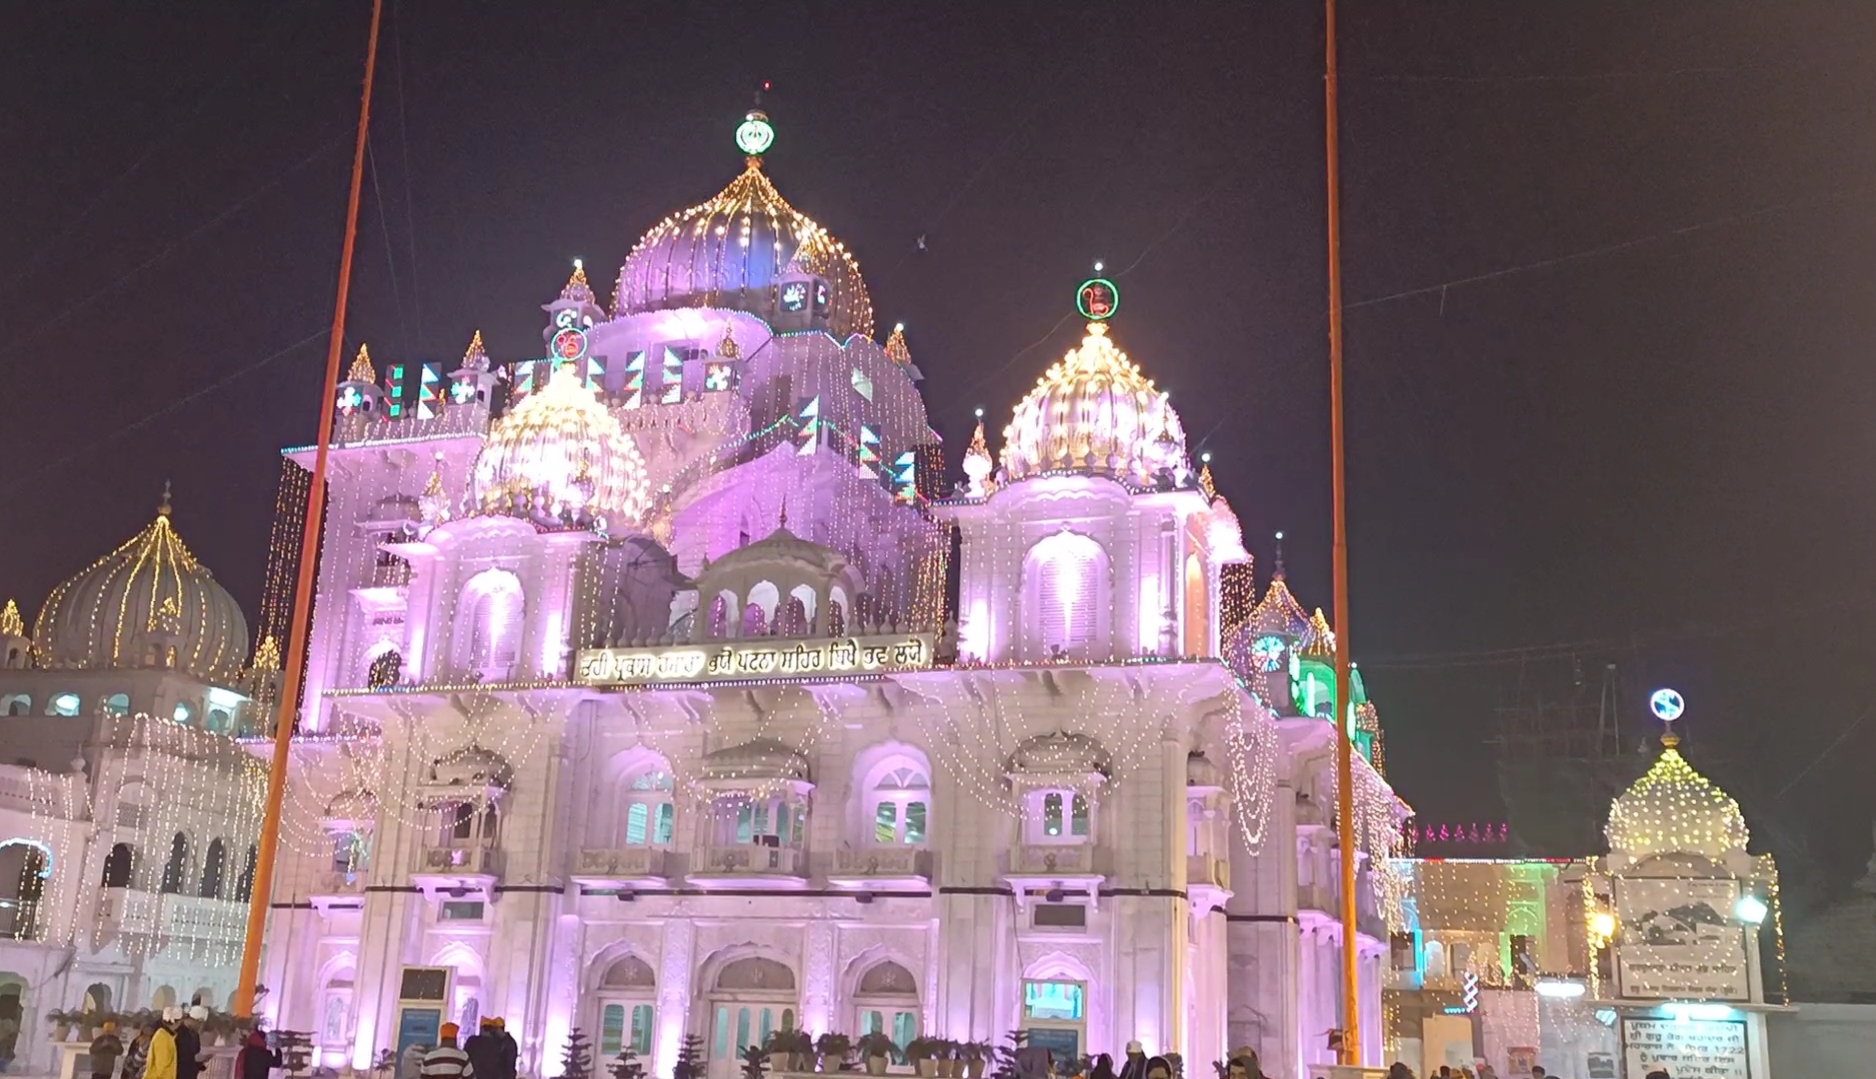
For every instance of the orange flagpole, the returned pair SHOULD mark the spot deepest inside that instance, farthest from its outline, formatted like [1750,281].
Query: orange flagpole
[262,892]
[1344,753]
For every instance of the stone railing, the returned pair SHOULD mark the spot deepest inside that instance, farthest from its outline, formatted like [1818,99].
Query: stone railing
[618,863]
[1044,858]
[468,859]
[882,862]
[749,859]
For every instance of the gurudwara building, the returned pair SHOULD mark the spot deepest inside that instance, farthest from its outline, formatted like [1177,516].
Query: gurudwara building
[659,688]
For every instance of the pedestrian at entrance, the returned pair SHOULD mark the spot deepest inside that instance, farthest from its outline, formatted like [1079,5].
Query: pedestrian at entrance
[511,1053]
[446,1061]
[1400,1071]
[1134,1067]
[1243,1065]
[189,1042]
[139,1051]
[162,1062]
[255,1060]
[1159,1068]
[484,1049]
[105,1049]
[410,1064]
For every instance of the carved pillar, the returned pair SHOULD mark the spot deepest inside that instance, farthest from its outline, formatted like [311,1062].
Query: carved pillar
[817,989]
[674,991]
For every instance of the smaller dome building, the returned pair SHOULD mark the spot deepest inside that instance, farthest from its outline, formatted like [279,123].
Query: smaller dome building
[1674,809]
[1094,411]
[560,459]
[148,604]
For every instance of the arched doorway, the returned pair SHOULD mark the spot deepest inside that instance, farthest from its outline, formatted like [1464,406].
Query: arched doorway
[626,999]
[886,1002]
[23,872]
[750,997]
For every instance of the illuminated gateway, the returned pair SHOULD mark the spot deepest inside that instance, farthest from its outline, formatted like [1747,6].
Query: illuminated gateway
[636,701]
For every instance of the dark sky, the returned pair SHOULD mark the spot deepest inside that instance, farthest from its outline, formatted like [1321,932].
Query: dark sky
[1633,428]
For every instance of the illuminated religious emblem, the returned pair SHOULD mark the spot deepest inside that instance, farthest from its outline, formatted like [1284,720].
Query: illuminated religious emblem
[1667,705]
[350,400]
[1097,299]
[820,295]
[462,391]
[719,376]
[794,295]
[569,344]
[755,135]
[1267,653]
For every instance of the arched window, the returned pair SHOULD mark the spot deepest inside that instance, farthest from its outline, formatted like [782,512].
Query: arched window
[899,803]
[17,704]
[220,722]
[1060,816]
[385,669]
[176,870]
[649,815]
[488,623]
[214,867]
[1066,591]
[62,704]
[120,866]
[836,612]
[349,853]
[23,872]
[721,616]
[1197,624]
[244,884]
[886,999]
[117,704]
[183,713]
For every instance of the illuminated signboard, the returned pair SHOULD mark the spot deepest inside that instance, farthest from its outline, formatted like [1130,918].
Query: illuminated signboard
[732,661]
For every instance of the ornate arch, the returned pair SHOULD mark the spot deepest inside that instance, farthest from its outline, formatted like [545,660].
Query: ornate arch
[863,963]
[712,967]
[603,961]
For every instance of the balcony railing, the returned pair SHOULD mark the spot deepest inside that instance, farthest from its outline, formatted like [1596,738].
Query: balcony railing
[334,882]
[187,917]
[749,860]
[469,859]
[1208,869]
[881,863]
[394,573]
[618,865]
[128,910]
[1075,859]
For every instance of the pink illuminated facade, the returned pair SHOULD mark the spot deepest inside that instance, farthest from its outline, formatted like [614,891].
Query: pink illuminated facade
[638,699]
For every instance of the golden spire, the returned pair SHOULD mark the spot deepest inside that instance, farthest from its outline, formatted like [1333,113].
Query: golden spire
[477,356]
[727,348]
[162,508]
[267,656]
[577,287]
[1321,637]
[897,351]
[362,371]
[1205,476]
[978,446]
[11,624]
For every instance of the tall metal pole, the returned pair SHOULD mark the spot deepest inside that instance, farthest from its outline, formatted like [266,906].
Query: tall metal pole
[262,893]
[1344,755]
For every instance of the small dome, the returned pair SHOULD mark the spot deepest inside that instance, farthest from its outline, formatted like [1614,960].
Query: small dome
[780,547]
[762,758]
[1095,412]
[733,251]
[559,457]
[147,604]
[1674,809]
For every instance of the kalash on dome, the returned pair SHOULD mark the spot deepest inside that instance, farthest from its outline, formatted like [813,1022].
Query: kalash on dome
[638,704]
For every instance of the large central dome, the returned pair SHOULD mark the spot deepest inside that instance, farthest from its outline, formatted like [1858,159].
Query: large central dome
[735,251]
[147,604]
[559,458]
[1095,412]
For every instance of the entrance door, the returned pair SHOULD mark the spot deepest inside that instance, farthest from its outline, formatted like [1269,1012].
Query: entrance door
[738,1024]
[624,1022]
[1056,1016]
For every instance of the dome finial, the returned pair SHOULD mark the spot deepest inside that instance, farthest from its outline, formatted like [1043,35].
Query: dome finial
[162,508]
[1205,476]
[362,371]
[1097,299]
[11,624]
[727,348]
[1276,573]
[755,134]
[577,289]
[896,348]
[476,357]
[782,519]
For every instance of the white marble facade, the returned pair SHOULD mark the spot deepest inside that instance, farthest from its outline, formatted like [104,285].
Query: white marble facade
[1071,816]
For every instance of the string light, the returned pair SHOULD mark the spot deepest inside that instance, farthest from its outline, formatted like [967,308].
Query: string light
[1094,411]
[1673,808]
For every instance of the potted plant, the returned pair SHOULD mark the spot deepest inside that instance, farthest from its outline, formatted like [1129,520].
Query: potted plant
[875,1050]
[833,1049]
[61,1021]
[923,1054]
[755,1062]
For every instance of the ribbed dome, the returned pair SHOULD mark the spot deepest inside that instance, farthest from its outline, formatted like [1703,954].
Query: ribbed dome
[1094,412]
[560,458]
[1674,809]
[147,604]
[732,251]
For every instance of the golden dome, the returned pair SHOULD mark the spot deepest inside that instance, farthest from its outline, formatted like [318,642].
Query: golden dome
[1674,809]
[1094,412]
[733,251]
[560,458]
[147,604]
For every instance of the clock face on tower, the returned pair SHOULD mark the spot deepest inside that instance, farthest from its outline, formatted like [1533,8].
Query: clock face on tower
[794,296]
[1267,653]
[569,344]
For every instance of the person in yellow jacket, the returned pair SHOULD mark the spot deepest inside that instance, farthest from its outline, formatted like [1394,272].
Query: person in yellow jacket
[162,1061]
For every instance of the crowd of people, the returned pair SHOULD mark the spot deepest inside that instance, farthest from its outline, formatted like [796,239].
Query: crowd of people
[1402,1071]
[170,1047]
[490,1053]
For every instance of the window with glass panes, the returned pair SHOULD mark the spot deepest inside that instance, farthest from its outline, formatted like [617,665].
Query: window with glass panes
[623,1024]
[649,813]
[900,803]
[1062,816]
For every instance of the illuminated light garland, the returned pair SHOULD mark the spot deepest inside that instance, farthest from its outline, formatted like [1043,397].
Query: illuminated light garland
[205,787]
[149,603]
[561,456]
[362,370]
[691,259]
[1094,411]
[11,624]
[1673,808]
[1379,814]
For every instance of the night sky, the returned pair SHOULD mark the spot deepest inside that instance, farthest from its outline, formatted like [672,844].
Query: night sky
[1609,269]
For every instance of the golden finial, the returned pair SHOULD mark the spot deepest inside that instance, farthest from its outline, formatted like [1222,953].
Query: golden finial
[1205,476]
[362,371]
[162,508]
[1321,637]
[476,358]
[11,624]
[577,287]
[896,349]
[727,348]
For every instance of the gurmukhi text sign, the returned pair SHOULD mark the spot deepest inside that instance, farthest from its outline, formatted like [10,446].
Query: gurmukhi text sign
[1686,1048]
[748,660]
